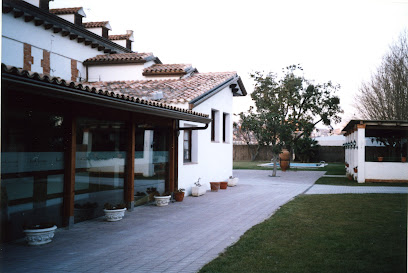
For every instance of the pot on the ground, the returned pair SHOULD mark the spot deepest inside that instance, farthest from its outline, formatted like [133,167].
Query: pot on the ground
[162,201]
[232,181]
[215,186]
[197,191]
[38,235]
[113,215]
[179,196]
[223,185]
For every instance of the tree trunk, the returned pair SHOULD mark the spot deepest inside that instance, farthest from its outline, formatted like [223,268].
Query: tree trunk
[275,166]
[254,155]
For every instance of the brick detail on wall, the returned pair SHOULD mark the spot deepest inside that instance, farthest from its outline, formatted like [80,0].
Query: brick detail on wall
[74,70]
[45,62]
[28,59]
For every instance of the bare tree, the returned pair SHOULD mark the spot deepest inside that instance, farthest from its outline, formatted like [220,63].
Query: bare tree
[385,96]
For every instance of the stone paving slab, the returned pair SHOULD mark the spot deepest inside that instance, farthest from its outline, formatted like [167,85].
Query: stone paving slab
[330,189]
[181,237]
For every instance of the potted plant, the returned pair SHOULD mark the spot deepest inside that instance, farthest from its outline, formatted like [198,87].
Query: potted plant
[114,213]
[179,195]
[403,159]
[215,186]
[355,169]
[347,165]
[197,190]
[39,234]
[162,200]
[223,185]
[232,181]
[380,158]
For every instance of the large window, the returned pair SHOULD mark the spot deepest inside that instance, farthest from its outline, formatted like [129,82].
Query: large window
[151,167]
[187,145]
[100,164]
[32,167]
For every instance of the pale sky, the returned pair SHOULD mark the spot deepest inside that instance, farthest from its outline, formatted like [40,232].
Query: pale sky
[342,41]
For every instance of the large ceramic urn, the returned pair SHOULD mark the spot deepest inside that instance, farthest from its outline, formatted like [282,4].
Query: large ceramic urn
[284,158]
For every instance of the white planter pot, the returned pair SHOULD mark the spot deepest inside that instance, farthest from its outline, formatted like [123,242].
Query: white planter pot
[232,181]
[162,201]
[35,237]
[113,215]
[197,191]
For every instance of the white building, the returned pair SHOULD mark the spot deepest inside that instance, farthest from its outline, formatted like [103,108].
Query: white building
[87,121]
[385,161]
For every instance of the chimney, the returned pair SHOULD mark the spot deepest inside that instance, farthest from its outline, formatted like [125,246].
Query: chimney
[130,39]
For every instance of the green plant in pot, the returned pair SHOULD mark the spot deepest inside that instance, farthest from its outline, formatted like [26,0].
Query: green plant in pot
[179,195]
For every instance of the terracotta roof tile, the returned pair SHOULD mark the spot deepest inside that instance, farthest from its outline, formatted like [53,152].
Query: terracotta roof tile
[119,58]
[174,90]
[119,37]
[95,24]
[75,86]
[65,10]
[167,69]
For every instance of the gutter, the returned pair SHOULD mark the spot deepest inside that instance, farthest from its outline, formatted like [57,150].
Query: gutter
[198,100]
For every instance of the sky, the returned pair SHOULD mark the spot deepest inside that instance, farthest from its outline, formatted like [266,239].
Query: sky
[339,41]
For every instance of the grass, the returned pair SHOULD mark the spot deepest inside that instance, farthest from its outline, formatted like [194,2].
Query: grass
[324,233]
[340,181]
[331,168]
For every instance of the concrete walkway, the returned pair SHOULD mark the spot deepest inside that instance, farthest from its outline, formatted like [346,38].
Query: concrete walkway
[181,237]
[329,189]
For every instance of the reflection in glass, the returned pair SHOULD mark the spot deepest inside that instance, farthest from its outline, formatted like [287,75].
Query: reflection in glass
[151,163]
[100,164]
[32,169]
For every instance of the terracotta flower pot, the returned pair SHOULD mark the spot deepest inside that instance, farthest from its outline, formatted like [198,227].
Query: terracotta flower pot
[223,185]
[355,170]
[380,159]
[403,159]
[179,196]
[215,186]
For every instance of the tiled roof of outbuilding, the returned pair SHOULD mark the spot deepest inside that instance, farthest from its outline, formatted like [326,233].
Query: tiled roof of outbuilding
[77,86]
[95,24]
[167,69]
[65,10]
[174,90]
[119,37]
[120,58]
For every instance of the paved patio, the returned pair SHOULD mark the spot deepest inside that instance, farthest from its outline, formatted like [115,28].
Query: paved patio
[181,237]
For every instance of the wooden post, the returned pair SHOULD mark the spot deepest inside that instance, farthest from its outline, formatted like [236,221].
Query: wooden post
[69,174]
[173,139]
[130,168]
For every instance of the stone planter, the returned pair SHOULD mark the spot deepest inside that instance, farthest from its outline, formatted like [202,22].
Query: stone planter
[39,236]
[232,182]
[162,201]
[197,191]
[215,186]
[113,215]
[223,185]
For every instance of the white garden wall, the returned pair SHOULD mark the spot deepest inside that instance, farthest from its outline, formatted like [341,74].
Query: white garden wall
[386,171]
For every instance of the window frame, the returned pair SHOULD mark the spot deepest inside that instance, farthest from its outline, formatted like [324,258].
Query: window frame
[189,140]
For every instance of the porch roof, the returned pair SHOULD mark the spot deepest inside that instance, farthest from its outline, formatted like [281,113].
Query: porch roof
[76,91]
[379,127]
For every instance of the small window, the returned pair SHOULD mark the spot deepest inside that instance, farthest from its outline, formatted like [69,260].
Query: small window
[224,127]
[187,146]
[213,125]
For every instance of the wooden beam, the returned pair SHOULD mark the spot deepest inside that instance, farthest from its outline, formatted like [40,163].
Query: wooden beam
[130,167]
[69,175]
[73,36]
[87,42]
[173,140]
[28,18]
[81,39]
[18,14]
[65,33]
[7,9]
[38,22]
[57,29]
[48,26]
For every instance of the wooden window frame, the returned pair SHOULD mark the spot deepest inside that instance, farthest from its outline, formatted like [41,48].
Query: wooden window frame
[190,134]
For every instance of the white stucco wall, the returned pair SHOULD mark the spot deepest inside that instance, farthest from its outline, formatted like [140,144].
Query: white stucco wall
[386,170]
[16,32]
[117,72]
[213,159]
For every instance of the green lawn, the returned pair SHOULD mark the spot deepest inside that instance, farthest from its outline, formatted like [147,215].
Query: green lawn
[324,233]
[340,181]
[331,168]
